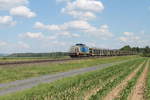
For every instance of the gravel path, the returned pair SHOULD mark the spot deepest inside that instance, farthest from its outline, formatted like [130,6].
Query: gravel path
[20,85]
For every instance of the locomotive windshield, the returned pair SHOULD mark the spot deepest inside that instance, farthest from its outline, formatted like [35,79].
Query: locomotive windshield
[80,45]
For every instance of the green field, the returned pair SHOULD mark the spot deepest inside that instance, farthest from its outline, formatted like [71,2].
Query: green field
[78,87]
[19,72]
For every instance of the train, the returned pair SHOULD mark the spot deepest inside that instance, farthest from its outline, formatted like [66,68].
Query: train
[81,50]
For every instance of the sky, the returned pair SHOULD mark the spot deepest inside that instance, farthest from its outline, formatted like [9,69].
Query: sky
[55,25]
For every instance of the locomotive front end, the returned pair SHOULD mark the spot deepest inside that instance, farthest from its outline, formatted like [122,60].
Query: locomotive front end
[79,50]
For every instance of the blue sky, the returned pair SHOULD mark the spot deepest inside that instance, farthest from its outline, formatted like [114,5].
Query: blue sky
[55,25]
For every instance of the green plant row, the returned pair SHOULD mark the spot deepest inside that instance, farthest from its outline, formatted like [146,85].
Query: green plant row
[87,83]
[108,87]
[127,90]
[73,88]
[147,92]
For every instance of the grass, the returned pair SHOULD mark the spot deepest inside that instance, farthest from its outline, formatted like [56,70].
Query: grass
[74,88]
[147,92]
[19,72]
[127,90]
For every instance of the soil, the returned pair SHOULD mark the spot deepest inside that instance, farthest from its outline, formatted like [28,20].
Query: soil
[115,92]
[138,90]
[92,92]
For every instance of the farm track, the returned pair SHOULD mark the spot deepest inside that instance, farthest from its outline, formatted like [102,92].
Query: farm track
[115,92]
[29,83]
[139,89]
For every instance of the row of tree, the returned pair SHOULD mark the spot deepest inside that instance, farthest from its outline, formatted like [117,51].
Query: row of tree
[51,55]
[142,51]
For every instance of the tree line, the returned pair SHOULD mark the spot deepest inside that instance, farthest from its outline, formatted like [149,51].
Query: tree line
[142,51]
[51,55]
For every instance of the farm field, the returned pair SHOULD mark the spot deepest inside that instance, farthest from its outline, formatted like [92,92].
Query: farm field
[128,80]
[18,72]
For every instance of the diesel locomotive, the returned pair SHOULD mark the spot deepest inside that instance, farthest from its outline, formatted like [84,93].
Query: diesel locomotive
[81,50]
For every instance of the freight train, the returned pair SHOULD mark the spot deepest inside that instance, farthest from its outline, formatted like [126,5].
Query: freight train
[81,50]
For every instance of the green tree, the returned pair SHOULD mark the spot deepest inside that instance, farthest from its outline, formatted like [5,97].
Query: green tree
[136,49]
[146,51]
[126,48]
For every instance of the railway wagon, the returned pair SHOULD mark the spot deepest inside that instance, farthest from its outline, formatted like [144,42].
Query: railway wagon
[81,50]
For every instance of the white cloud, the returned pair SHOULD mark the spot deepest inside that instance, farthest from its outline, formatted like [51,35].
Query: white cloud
[7,20]
[58,43]
[76,24]
[80,14]
[123,39]
[75,35]
[91,44]
[40,25]
[88,5]
[22,11]
[32,35]
[128,33]
[3,43]
[63,0]
[64,33]
[38,35]
[68,34]
[102,32]
[23,45]
[83,26]
[8,4]
[17,8]
[50,37]
[9,47]
[130,38]
[83,9]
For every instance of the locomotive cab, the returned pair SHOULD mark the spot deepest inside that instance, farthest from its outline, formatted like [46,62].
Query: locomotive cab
[79,50]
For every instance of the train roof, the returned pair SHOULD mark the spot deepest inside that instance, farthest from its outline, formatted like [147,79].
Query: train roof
[80,44]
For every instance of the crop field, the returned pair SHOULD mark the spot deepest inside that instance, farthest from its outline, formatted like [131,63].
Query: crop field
[126,81]
[18,72]
[147,91]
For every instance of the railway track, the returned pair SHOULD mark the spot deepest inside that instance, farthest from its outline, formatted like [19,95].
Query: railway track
[48,60]
[43,61]
[35,61]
